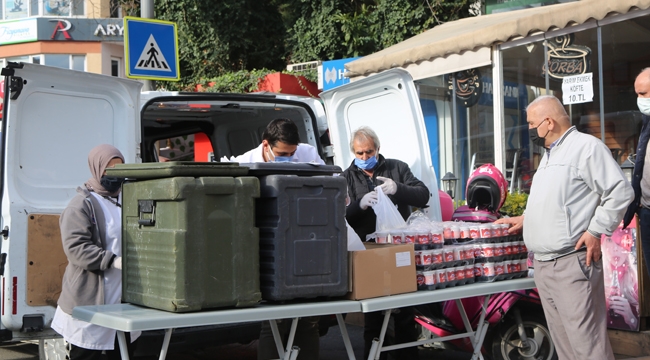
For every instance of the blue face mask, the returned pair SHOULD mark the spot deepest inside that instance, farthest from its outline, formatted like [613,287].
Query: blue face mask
[283,159]
[366,164]
[279,158]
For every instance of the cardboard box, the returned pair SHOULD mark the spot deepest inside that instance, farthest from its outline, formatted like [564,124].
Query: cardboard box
[381,270]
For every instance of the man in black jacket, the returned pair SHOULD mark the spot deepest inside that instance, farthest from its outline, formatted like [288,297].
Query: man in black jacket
[367,171]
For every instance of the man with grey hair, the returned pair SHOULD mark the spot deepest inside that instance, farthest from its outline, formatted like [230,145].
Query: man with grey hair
[578,193]
[641,175]
[368,171]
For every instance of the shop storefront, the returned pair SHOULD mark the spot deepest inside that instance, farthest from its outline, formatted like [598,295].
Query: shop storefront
[477,75]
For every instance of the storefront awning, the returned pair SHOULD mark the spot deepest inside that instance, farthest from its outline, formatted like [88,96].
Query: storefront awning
[466,43]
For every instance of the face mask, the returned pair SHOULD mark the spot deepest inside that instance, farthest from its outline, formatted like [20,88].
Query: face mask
[644,105]
[366,164]
[534,136]
[273,158]
[111,183]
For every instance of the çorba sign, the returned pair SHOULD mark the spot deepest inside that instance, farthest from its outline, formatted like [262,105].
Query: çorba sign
[565,59]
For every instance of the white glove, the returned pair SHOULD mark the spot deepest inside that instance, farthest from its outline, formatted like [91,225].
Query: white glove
[389,186]
[369,199]
[117,263]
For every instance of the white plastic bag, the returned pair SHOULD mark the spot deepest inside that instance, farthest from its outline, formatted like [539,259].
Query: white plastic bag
[388,217]
[354,242]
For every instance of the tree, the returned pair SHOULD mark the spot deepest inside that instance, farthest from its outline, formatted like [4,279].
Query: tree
[218,37]
[333,29]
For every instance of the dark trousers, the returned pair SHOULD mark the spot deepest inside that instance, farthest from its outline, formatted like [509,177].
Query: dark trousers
[78,353]
[307,338]
[405,331]
[644,224]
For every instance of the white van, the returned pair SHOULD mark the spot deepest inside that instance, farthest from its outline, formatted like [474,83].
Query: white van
[52,118]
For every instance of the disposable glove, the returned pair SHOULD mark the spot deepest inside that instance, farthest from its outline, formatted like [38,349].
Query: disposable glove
[389,186]
[370,199]
[117,263]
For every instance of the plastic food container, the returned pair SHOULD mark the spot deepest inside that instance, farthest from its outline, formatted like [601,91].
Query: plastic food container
[436,256]
[422,237]
[396,237]
[426,257]
[381,237]
[474,232]
[486,231]
[429,277]
[409,236]
[464,232]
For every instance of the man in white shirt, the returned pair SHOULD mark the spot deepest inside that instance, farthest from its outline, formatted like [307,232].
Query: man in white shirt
[281,143]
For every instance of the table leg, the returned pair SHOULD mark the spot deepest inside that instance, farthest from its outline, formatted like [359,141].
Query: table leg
[290,348]
[463,316]
[277,338]
[121,340]
[165,346]
[346,337]
[377,344]
[481,330]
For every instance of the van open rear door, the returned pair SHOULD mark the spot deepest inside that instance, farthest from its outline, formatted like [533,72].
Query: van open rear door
[388,103]
[52,118]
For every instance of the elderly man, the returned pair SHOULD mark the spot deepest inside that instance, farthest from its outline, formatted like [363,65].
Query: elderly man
[369,170]
[641,178]
[579,192]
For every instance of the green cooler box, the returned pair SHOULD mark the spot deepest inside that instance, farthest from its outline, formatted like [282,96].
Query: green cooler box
[189,242]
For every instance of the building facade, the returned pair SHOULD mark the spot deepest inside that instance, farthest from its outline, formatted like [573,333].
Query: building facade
[81,35]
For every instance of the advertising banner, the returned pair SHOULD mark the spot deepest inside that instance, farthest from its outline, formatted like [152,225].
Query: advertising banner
[621,278]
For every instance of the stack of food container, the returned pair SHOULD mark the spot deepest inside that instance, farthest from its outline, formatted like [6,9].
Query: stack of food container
[459,253]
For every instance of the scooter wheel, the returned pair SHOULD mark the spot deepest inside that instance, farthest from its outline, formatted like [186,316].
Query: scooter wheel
[507,345]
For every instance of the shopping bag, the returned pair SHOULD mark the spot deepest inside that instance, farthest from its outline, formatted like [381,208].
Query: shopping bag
[354,242]
[388,218]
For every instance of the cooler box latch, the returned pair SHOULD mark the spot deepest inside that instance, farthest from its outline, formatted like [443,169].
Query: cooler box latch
[147,212]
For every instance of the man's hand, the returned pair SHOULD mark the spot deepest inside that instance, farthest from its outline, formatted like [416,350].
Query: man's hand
[516,223]
[369,199]
[593,246]
[389,186]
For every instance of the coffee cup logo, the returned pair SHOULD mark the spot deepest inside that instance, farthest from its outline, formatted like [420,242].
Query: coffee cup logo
[468,86]
[565,58]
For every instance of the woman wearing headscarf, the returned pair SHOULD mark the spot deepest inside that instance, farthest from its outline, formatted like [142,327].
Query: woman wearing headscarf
[91,232]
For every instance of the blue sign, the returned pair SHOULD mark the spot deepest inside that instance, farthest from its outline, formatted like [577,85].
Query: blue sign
[332,73]
[151,49]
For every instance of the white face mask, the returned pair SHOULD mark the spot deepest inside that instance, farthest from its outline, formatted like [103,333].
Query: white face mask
[644,105]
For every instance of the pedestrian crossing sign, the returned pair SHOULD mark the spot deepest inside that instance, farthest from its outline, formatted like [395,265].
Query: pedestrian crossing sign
[151,49]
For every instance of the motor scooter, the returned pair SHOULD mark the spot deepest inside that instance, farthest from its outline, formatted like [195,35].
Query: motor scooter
[516,329]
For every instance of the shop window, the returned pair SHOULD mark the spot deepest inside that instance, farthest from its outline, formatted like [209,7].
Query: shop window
[625,54]
[115,67]
[78,8]
[36,59]
[33,8]
[461,137]
[57,60]
[16,9]
[65,61]
[523,81]
[116,9]
[56,7]
[79,62]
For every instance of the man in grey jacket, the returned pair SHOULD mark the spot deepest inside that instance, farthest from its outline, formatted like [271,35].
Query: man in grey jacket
[579,192]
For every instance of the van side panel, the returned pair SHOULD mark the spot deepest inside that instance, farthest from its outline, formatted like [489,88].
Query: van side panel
[53,123]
